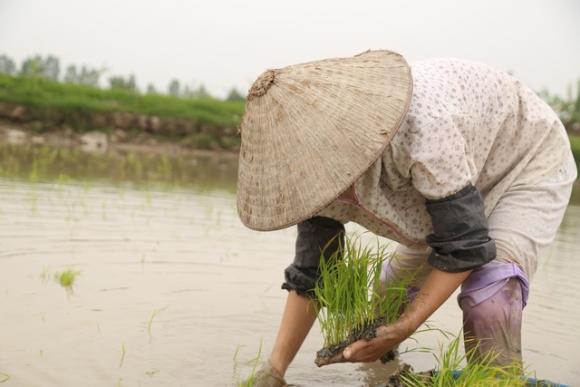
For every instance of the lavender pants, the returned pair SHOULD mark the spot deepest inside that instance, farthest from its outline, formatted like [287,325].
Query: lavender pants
[492,299]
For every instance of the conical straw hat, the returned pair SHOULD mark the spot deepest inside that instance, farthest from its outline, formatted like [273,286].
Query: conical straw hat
[311,130]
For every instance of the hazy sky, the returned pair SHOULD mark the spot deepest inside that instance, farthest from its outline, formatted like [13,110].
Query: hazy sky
[225,43]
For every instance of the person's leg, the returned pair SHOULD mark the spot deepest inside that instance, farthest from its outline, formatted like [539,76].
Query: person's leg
[406,267]
[493,327]
[523,223]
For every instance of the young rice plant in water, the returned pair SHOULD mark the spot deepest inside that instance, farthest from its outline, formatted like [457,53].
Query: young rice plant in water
[474,373]
[350,294]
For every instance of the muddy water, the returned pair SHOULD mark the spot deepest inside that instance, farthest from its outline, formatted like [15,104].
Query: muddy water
[172,287]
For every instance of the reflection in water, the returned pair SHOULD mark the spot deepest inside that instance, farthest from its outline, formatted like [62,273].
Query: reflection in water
[61,165]
[171,283]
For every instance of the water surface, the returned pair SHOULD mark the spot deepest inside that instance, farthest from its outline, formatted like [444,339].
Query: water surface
[172,287]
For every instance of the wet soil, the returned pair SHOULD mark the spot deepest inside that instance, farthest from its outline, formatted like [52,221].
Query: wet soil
[333,354]
[396,380]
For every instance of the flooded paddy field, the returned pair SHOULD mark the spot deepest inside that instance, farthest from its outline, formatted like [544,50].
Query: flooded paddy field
[170,289]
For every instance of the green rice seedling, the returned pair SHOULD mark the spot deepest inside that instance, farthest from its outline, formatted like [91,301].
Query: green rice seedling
[150,323]
[4,377]
[152,372]
[453,370]
[251,379]
[350,293]
[67,278]
[351,299]
[44,275]
[123,353]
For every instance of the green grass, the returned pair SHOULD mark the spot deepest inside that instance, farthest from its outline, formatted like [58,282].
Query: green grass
[575,143]
[67,278]
[45,99]
[349,291]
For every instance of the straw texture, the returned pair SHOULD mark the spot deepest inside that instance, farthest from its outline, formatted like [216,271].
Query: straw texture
[310,130]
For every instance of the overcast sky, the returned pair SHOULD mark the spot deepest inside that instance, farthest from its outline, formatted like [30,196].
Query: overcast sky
[225,43]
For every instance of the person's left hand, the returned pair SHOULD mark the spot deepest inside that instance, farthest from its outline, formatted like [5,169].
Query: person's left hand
[388,336]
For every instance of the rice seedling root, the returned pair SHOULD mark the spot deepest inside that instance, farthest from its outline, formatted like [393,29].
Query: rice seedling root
[333,353]
[406,370]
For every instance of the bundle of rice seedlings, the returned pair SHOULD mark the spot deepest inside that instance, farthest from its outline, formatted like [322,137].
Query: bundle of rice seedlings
[454,370]
[352,302]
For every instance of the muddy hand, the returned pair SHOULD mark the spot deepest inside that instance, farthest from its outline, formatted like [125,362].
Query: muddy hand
[326,360]
[388,337]
[268,376]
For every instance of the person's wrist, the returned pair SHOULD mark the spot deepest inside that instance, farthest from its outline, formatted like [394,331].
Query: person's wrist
[278,367]
[405,325]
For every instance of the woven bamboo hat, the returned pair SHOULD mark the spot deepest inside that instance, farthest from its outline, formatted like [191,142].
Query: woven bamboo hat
[311,130]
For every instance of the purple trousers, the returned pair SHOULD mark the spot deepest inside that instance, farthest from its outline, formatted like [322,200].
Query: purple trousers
[492,300]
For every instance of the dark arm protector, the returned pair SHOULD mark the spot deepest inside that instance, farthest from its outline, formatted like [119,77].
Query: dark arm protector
[460,240]
[315,235]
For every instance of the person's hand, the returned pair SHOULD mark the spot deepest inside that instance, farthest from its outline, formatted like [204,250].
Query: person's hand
[388,336]
[267,376]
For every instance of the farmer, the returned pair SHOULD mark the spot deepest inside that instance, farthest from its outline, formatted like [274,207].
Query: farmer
[462,165]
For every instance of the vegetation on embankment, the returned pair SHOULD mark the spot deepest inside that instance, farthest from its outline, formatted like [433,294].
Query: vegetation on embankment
[45,105]
[575,143]
[37,96]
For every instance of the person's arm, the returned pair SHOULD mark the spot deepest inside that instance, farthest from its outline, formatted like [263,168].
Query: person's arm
[460,243]
[315,235]
[437,288]
[297,320]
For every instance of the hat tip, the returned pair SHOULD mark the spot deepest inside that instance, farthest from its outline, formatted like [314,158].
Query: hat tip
[262,84]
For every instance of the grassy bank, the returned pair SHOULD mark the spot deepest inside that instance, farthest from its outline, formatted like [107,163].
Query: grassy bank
[39,93]
[53,105]
[575,143]
[205,123]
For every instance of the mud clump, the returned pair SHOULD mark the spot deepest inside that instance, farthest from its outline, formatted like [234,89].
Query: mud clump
[397,379]
[333,354]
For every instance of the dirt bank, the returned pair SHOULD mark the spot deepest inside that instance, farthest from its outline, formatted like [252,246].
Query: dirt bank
[103,141]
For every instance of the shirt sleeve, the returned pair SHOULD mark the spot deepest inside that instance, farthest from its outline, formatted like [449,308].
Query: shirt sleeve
[460,239]
[435,156]
[317,236]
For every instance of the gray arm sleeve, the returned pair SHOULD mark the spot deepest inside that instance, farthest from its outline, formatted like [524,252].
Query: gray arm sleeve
[460,240]
[315,236]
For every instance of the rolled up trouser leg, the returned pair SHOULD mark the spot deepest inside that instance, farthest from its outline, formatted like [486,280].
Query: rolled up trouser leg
[492,300]
[407,265]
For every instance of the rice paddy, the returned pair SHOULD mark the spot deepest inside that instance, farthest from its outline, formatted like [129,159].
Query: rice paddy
[148,236]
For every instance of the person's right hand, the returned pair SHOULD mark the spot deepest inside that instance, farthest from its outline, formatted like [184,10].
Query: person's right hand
[268,376]
[388,337]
